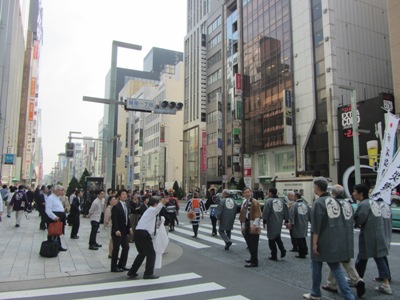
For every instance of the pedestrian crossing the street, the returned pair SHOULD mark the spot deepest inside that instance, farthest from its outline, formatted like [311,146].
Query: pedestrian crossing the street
[183,234]
[186,284]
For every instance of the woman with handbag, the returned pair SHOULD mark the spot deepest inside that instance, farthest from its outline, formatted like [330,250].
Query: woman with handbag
[250,219]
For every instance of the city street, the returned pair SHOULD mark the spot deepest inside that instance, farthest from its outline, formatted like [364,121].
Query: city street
[192,268]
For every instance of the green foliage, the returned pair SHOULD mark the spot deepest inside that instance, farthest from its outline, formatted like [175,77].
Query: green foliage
[73,185]
[232,184]
[178,190]
[83,177]
[241,185]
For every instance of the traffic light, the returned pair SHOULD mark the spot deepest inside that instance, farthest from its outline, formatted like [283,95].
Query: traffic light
[168,107]
[69,150]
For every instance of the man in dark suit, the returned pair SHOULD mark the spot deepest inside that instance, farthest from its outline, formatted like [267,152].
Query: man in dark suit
[121,227]
[75,214]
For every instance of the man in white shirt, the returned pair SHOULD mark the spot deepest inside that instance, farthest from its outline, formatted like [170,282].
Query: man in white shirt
[55,211]
[145,231]
[95,214]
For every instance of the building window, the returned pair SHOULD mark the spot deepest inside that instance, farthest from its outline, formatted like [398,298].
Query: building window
[263,165]
[284,162]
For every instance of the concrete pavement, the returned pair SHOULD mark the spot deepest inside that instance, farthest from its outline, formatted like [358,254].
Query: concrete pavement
[20,259]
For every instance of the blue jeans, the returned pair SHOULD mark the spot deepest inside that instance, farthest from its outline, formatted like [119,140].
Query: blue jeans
[316,268]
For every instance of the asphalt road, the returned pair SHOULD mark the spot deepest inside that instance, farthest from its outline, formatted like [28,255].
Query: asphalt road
[204,270]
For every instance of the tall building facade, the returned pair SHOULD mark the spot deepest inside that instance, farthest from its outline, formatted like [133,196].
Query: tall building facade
[272,113]
[20,40]
[195,97]
[394,34]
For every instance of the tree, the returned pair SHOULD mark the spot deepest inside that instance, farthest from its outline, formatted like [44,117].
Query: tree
[178,190]
[241,185]
[73,185]
[82,181]
[232,184]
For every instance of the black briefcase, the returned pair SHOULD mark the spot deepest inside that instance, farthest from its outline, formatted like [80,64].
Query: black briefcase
[49,249]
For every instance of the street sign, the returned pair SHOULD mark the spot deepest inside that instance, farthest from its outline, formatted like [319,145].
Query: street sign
[8,159]
[139,105]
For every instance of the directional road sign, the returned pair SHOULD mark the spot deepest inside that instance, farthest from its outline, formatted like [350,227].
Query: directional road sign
[139,105]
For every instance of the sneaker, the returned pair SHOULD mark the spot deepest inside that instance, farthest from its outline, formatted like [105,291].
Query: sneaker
[384,289]
[309,296]
[360,288]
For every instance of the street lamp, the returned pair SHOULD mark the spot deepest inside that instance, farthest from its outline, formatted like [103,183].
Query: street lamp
[112,110]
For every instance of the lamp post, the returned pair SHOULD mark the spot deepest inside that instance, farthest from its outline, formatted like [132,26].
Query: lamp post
[112,110]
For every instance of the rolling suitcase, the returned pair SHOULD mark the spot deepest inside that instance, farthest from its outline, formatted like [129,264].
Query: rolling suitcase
[49,249]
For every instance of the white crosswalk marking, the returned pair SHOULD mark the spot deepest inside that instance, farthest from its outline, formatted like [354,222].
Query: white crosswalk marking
[186,241]
[231,298]
[156,289]
[164,293]
[95,287]
[201,236]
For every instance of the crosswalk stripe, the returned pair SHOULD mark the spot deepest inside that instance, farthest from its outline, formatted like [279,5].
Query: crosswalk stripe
[95,287]
[202,236]
[188,242]
[239,297]
[164,293]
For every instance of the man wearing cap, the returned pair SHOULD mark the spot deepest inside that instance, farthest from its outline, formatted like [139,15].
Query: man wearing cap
[225,213]
[146,229]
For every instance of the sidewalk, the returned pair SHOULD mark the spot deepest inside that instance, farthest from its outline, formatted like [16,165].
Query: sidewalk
[20,259]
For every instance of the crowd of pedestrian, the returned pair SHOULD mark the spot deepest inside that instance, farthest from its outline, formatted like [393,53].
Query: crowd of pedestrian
[132,217]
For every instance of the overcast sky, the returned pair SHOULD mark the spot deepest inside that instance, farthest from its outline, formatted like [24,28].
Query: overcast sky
[76,56]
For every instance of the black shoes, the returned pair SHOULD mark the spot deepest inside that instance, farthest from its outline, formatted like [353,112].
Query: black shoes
[75,237]
[124,268]
[272,258]
[360,288]
[300,256]
[132,275]
[150,276]
[195,236]
[248,260]
[62,249]
[93,247]
[116,270]
[97,245]
[283,253]
[228,244]
[251,266]
[16,225]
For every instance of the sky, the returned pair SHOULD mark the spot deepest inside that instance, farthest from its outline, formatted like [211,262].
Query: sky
[75,57]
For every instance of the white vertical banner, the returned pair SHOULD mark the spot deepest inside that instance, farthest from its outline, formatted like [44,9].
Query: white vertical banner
[388,181]
[388,146]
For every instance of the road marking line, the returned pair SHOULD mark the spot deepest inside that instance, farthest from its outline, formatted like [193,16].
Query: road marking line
[186,241]
[202,236]
[95,287]
[163,293]
[239,297]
